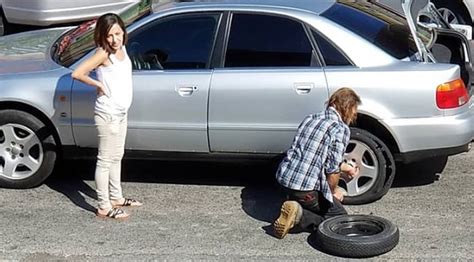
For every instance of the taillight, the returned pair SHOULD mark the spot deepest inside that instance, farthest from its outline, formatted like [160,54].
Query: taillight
[452,94]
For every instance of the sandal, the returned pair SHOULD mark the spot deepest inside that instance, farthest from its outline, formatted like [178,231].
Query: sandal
[128,202]
[114,213]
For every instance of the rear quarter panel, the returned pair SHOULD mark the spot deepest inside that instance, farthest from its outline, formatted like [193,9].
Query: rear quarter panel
[400,90]
[42,90]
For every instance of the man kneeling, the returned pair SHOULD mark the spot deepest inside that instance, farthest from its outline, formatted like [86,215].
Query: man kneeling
[310,171]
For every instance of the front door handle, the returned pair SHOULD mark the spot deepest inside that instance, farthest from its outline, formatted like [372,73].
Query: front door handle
[303,88]
[186,90]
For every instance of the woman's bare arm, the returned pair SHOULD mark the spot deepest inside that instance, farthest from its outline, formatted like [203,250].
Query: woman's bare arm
[82,71]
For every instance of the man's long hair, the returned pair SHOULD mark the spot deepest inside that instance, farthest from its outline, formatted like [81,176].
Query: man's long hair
[345,101]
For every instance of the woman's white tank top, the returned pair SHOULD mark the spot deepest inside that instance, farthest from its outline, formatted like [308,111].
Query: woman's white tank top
[117,79]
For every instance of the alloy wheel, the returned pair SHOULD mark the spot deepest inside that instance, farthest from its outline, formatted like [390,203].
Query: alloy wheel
[366,160]
[448,15]
[21,152]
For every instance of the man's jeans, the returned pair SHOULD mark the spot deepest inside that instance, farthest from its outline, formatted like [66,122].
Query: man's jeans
[316,208]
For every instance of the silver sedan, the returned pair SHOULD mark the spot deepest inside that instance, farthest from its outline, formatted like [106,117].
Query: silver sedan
[234,79]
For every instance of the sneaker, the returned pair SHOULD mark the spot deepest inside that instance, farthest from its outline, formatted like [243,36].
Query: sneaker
[290,215]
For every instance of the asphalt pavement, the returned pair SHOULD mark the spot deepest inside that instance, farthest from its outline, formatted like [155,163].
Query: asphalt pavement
[208,211]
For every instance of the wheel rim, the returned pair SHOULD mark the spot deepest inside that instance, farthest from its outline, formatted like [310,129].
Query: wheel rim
[21,152]
[369,168]
[358,228]
[448,15]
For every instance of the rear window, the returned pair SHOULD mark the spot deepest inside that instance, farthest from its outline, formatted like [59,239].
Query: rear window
[384,28]
[79,41]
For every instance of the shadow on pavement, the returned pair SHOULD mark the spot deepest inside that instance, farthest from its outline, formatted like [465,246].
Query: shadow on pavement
[420,173]
[72,186]
[261,197]
[257,179]
[172,172]
[196,173]
[262,203]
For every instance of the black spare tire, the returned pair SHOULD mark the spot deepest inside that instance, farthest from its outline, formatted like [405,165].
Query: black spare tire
[356,236]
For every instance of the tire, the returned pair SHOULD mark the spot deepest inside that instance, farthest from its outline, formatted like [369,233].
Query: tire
[27,150]
[356,236]
[377,168]
[2,23]
[453,12]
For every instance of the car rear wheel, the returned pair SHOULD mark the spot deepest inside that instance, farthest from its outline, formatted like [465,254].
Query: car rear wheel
[377,168]
[27,150]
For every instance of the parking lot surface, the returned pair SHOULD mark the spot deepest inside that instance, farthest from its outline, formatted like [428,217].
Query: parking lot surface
[208,211]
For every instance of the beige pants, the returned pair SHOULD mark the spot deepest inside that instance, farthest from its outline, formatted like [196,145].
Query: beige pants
[112,132]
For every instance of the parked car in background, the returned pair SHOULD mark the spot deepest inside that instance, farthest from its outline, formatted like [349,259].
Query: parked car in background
[456,11]
[53,12]
[234,79]
[453,11]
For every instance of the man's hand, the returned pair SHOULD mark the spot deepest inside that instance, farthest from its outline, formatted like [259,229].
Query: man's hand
[349,170]
[338,194]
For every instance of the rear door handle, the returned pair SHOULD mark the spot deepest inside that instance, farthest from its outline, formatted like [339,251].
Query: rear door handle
[303,88]
[186,90]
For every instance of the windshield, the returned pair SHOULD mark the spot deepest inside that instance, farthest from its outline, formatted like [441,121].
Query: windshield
[379,25]
[78,41]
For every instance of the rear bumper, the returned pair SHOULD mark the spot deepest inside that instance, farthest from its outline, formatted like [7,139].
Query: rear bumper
[423,154]
[419,138]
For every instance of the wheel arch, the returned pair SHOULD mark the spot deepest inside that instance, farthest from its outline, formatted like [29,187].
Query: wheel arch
[469,5]
[373,126]
[13,105]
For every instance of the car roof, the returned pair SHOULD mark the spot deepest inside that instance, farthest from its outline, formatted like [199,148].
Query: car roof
[317,7]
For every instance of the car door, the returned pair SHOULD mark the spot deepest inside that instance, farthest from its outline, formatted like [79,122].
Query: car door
[270,80]
[171,78]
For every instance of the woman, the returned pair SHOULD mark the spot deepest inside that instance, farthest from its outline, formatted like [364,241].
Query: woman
[114,96]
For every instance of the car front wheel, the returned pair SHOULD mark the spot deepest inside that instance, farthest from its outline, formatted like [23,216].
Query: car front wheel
[27,150]
[377,168]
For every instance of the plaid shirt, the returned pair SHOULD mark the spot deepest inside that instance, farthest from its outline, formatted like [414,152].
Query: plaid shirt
[317,150]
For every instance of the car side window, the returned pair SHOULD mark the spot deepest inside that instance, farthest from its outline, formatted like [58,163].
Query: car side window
[258,40]
[331,55]
[181,42]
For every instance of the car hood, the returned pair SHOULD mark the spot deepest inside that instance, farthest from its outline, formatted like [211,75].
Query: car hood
[29,51]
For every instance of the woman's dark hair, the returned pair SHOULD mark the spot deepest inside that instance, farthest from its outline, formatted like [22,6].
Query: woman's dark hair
[345,101]
[102,28]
